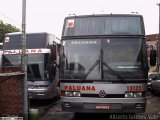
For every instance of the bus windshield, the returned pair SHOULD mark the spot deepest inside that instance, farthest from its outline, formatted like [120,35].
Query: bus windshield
[36,67]
[103,59]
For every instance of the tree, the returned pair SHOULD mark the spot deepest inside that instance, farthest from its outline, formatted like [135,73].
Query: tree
[6,28]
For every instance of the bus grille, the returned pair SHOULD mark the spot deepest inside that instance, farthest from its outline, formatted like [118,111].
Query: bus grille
[107,96]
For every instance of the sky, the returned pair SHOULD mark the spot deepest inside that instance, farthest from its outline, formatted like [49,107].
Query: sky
[48,15]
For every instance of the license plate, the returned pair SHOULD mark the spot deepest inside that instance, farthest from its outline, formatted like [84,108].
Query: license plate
[103,106]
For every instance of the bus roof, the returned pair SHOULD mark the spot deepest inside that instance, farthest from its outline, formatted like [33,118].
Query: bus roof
[103,24]
[19,33]
[33,33]
[106,15]
[33,40]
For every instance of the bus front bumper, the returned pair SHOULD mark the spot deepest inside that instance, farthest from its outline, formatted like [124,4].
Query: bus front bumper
[111,105]
[38,93]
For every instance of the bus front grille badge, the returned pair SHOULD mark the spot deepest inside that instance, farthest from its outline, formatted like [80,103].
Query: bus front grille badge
[102,93]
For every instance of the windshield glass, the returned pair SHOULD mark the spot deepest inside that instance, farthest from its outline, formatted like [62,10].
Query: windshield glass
[80,56]
[123,56]
[109,58]
[35,64]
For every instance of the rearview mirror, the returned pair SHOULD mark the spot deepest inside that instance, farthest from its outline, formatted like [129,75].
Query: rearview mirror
[153,57]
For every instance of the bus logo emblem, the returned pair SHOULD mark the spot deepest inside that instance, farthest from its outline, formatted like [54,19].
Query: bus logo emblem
[102,93]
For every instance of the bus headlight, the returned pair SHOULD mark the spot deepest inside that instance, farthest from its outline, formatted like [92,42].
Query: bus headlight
[72,94]
[68,94]
[129,94]
[133,94]
[76,94]
[137,94]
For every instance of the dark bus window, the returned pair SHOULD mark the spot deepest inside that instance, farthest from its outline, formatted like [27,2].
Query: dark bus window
[111,25]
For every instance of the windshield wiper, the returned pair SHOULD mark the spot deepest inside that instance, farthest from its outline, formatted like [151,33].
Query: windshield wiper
[114,72]
[111,70]
[91,68]
[100,62]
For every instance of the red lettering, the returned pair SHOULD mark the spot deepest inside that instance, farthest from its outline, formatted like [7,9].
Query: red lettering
[134,88]
[70,87]
[88,88]
[23,51]
[74,87]
[40,51]
[83,88]
[78,87]
[33,51]
[27,51]
[93,88]
[19,51]
[65,87]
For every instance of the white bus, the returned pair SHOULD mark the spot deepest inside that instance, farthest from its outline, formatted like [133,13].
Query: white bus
[42,51]
[103,67]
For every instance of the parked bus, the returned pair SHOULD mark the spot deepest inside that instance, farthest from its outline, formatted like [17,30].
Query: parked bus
[42,51]
[103,64]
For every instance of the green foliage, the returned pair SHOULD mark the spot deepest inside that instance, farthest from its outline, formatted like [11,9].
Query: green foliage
[6,28]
